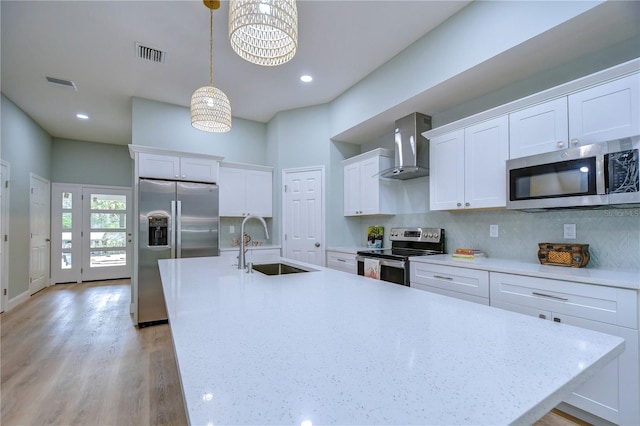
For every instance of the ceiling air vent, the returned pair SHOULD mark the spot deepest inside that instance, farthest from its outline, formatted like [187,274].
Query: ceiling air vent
[59,81]
[150,54]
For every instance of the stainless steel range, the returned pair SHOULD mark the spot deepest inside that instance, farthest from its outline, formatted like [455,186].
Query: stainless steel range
[405,243]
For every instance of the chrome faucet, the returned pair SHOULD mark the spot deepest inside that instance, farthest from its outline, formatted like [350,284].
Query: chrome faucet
[243,251]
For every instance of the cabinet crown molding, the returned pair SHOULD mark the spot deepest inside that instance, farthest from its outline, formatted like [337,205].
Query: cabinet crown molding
[613,73]
[161,151]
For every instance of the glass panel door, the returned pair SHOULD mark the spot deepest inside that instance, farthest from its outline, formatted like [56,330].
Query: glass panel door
[107,233]
[66,227]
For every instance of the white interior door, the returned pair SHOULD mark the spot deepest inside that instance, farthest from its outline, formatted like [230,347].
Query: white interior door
[39,225]
[4,235]
[303,215]
[106,233]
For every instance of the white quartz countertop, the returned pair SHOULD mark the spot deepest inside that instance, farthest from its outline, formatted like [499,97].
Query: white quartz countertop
[611,278]
[348,250]
[328,347]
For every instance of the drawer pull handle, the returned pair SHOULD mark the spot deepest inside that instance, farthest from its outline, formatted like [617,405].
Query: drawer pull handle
[341,260]
[442,278]
[549,296]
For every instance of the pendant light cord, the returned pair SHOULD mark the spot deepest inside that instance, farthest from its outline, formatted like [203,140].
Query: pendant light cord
[211,47]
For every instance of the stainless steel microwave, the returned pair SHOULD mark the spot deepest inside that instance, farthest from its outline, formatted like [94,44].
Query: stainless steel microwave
[593,175]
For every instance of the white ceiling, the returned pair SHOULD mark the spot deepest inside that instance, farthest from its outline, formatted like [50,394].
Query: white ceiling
[92,43]
[340,42]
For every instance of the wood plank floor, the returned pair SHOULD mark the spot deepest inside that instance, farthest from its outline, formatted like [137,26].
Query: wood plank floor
[71,356]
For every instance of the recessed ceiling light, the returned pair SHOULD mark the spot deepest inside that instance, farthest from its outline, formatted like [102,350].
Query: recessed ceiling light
[82,116]
[306,78]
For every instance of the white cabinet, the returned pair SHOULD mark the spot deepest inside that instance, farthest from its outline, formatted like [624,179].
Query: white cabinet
[612,394]
[597,114]
[342,261]
[246,190]
[605,112]
[468,166]
[365,193]
[177,167]
[540,128]
[461,283]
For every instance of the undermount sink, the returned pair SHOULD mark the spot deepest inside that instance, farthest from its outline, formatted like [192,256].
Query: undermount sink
[277,269]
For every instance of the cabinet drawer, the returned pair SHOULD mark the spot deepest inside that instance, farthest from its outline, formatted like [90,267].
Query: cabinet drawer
[461,280]
[599,303]
[342,261]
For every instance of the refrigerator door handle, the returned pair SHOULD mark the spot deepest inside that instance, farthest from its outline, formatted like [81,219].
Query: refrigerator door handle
[178,229]
[172,239]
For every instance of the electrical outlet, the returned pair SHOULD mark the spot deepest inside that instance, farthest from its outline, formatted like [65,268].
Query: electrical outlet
[232,229]
[493,231]
[570,231]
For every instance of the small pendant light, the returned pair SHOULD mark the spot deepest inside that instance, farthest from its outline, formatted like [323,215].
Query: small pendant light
[210,107]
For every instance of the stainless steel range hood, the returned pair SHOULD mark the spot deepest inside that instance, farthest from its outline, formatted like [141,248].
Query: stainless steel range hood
[411,148]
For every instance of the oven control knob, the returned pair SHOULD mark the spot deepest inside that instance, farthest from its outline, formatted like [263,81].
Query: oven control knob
[435,236]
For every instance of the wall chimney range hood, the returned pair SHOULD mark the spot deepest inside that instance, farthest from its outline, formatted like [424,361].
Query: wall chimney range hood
[411,148]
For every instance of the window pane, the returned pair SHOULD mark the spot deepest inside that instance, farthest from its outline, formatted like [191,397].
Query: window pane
[67,220]
[67,200]
[66,240]
[66,260]
[108,202]
[108,239]
[102,258]
[108,220]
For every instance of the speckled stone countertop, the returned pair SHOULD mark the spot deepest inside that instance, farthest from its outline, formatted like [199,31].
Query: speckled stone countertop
[328,347]
[610,278]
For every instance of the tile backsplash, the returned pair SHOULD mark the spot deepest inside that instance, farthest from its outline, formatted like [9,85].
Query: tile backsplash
[613,235]
[252,227]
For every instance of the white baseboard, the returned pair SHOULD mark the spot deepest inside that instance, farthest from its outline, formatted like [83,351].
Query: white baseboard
[19,299]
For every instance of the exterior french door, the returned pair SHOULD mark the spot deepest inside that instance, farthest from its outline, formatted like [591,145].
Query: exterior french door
[91,233]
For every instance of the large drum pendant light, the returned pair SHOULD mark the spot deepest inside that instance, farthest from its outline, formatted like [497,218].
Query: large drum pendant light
[210,107]
[264,32]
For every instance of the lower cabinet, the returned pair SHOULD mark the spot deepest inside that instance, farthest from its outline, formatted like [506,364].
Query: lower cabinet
[342,261]
[461,283]
[614,393]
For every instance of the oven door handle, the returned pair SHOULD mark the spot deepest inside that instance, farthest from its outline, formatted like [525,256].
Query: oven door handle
[399,264]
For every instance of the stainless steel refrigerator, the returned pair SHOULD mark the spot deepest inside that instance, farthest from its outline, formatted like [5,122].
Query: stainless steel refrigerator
[177,219]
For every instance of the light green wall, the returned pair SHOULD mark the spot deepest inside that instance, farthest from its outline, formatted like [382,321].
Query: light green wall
[477,33]
[91,163]
[168,126]
[27,148]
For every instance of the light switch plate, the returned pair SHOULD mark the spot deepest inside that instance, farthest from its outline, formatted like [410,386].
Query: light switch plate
[232,229]
[570,231]
[493,231]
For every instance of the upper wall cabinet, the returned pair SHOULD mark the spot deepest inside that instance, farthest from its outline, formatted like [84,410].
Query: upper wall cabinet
[605,112]
[540,128]
[365,192]
[246,190]
[177,167]
[600,113]
[468,167]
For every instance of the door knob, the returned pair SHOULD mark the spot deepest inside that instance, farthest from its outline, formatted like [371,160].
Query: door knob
[317,244]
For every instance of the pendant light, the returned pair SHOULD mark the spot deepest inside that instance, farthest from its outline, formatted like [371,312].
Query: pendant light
[264,32]
[210,107]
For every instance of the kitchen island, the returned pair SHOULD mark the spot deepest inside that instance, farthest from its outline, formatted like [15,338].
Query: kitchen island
[328,347]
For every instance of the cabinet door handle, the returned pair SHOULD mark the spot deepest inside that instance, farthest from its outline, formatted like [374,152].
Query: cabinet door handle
[459,204]
[467,204]
[443,277]
[560,144]
[535,293]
